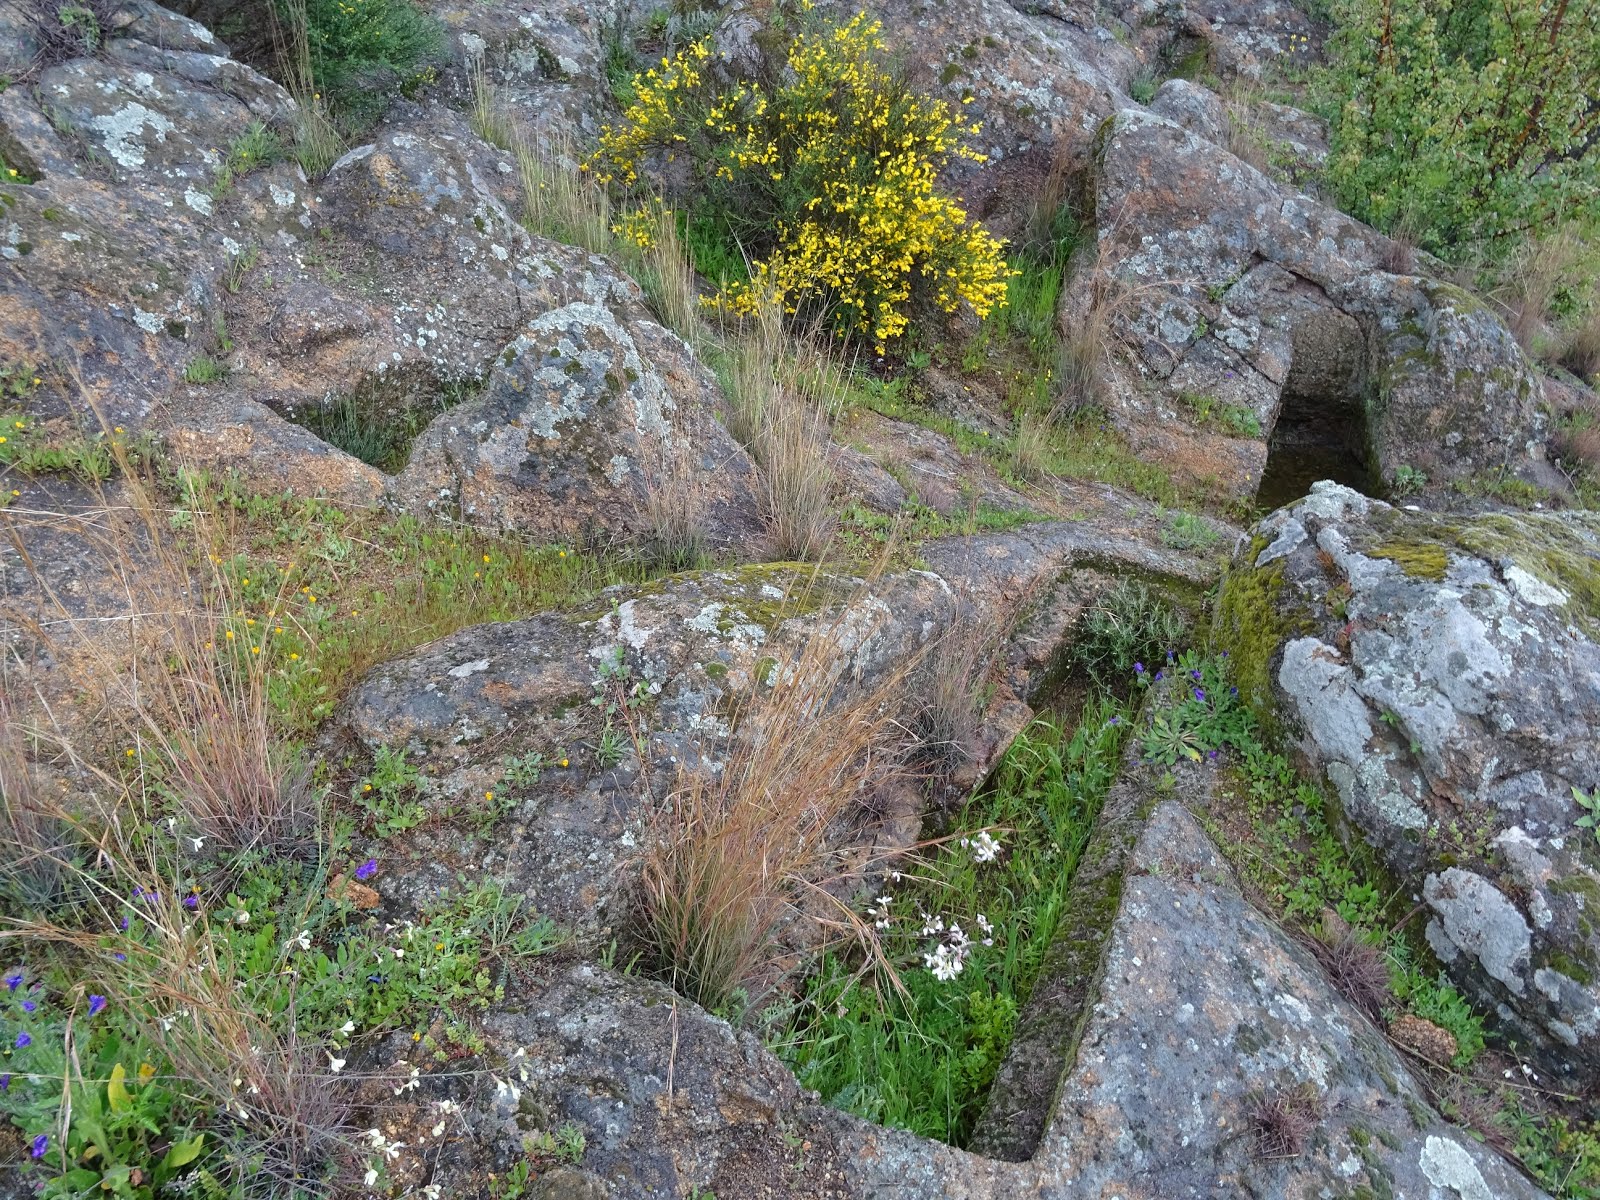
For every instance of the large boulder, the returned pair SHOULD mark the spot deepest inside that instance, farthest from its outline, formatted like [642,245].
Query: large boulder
[1444,674]
[112,260]
[584,422]
[689,649]
[1245,316]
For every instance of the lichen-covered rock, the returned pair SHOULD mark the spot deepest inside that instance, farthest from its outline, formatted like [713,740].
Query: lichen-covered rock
[1158,1100]
[1244,313]
[1444,672]
[689,648]
[582,420]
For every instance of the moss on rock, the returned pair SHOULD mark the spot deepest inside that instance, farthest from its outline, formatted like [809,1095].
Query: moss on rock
[1252,621]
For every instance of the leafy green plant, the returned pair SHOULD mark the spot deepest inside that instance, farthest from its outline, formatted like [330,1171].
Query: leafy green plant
[351,41]
[1189,531]
[1129,624]
[1407,480]
[389,794]
[1590,803]
[1473,123]
[126,1134]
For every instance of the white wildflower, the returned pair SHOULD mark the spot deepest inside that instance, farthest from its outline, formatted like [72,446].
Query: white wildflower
[336,1064]
[984,848]
[301,939]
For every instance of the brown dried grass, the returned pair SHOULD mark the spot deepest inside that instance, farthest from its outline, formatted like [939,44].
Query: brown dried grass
[736,853]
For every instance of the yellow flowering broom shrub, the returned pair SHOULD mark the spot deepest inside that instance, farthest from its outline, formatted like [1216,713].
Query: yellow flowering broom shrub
[825,178]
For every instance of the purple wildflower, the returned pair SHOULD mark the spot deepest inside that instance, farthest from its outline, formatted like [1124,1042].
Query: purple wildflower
[1233,691]
[13,981]
[23,1041]
[124,924]
[28,1006]
[1194,675]
[1158,676]
[367,869]
[1213,755]
[96,1004]
[5,1082]
[191,901]
[1138,668]
[40,1145]
[120,956]
[1199,695]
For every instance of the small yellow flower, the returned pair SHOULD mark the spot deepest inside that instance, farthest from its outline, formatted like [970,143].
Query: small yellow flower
[118,429]
[563,762]
[488,795]
[277,629]
[563,554]
[438,945]
[255,649]
[311,598]
[250,621]
[366,787]
[294,658]
[485,558]
[229,635]
[416,1037]
[247,583]
[129,751]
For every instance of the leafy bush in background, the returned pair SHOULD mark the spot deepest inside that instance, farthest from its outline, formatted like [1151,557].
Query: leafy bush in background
[825,179]
[1465,123]
[349,40]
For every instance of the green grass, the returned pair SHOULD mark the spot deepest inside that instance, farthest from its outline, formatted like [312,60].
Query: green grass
[328,593]
[864,532]
[30,447]
[924,1062]
[204,370]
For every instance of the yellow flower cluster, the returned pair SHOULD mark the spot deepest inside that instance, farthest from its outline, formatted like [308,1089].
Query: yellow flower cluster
[832,175]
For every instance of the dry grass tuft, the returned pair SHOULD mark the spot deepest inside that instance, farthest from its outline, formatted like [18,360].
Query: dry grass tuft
[735,854]
[183,681]
[1030,447]
[487,109]
[674,535]
[1284,1121]
[33,842]
[780,392]
[669,283]
[1580,345]
[1532,282]
[317,140]
[949,719]
[1356,968]
[561,201]
[1083,356]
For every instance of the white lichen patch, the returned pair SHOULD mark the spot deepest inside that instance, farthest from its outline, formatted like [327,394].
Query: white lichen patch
[1447,1165]
[198,201]
[123,132]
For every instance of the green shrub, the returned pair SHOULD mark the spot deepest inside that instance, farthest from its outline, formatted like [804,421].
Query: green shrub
[1466,123]
[1129,624]
[350,40]
[825,176]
